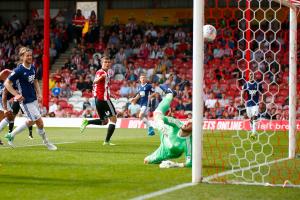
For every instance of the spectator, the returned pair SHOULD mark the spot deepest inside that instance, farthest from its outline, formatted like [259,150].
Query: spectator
[43,110]
[180,114]
[86,104]
[169,51]
[92,34]
[87,113]
[89,84]
[125,89]
[133,89]
[131,76]
[180,105]
[206,115]
[56,90]
[155,101]
[78,22]
[66,91]
[52,82]
[160,68]
[60,19]
[186,94]
[134,109]
[81,84]
[52,108]
[188,105]
[128,51]
[100,46]
[151,31]
[59,112]
[179,34]
[211,101]
[183,81]
[120,56]
[113,39]
[16,23]
[52,53]
[119,68]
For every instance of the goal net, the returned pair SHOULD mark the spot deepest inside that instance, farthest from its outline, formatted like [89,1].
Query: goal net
[262,150]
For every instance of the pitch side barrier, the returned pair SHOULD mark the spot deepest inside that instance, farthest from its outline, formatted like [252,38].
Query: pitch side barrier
[280,125]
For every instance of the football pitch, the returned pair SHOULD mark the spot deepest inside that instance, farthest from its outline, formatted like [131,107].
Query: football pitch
[82,168]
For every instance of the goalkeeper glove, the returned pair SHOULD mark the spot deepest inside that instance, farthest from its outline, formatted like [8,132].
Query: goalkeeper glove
[170,164]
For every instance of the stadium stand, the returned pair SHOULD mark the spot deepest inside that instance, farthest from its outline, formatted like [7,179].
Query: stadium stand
[164,54]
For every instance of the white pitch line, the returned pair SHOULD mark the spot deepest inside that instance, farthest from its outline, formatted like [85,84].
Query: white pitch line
[207,179]
[164,191]
[33,145]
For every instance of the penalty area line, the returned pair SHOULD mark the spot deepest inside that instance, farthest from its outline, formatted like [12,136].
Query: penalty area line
[33,145]
[164,191]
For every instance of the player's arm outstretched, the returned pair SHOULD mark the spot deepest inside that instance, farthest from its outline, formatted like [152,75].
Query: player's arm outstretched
[99,78]
[136,98]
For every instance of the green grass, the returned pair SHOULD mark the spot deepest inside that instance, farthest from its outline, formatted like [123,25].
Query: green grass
[87,170]
[232,192]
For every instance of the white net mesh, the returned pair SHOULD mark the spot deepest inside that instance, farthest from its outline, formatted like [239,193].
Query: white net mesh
[260,45]
[258,154]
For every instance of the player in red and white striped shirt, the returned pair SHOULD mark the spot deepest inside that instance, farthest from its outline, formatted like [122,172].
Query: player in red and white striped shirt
[104,106]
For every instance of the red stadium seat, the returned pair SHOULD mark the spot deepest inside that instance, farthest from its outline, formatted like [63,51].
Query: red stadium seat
[284,92]
[63,104]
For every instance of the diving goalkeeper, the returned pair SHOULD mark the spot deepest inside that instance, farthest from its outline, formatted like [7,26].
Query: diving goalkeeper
[175,136]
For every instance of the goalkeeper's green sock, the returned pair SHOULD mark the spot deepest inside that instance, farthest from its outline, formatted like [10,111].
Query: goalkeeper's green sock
[253,127]
[164,105]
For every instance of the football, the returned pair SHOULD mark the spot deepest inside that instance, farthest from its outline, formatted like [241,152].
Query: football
[209,32]
[4,74]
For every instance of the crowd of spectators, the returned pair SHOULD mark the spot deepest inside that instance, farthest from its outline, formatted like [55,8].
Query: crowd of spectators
[164,54]
[16,33]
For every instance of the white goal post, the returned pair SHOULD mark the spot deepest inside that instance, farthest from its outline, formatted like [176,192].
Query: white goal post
[198,72]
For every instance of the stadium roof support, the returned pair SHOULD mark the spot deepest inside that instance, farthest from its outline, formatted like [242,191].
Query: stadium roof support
[46,53]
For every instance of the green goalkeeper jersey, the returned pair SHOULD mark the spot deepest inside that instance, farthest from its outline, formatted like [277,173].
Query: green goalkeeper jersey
[179,144]
[172,145]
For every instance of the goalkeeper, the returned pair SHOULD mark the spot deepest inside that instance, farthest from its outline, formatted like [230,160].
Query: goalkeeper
[175,136]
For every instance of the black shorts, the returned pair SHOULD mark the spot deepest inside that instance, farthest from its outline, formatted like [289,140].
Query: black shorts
[15,107]
[105,109]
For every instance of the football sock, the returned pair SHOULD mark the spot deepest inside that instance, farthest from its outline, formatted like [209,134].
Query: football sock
[11,126]
[41,132]
[146,122]
[253,126]
[30,130]
[110,131]
[95,122]
[19,129]
[164,105]
[3,123]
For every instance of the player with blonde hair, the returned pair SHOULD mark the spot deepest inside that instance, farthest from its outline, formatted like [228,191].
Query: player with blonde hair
[28,93]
